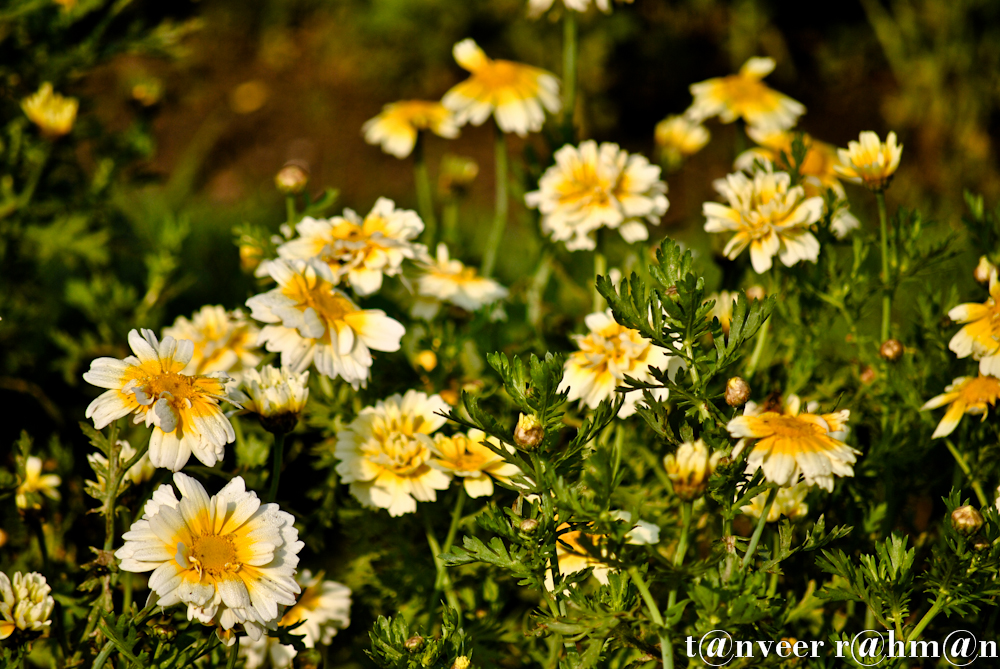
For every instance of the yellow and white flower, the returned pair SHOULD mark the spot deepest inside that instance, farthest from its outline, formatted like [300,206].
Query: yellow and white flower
[324,607]
[36,484]
[445,279]
[973,395]
[385,453]
[869,161]
[690,468]
[512,92]
[229,558]
[723,309]
[791,445]
[25,607]
[745,96]
[361,250]
[593,186]
[573,555]
[396,127]
[538,7]
[140,472]
[789,502]
[980,337]
[182,409]
[679,137]
[609,353]
[464,456]
[767,214]
[224,341]
[310,321]
[52,113]
[277,395]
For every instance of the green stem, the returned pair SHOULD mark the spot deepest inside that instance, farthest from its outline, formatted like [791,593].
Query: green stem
[425,199]
[500,219]
[442,582]
[449,221]
[666,648]
[755,539]
[105,654]
[570,47]
[758,348]
[682,545]
[234,653]
[600,269]
[886,286]
[772,587]
[960,459]
[926,620]
[127,597]
[291,215]
[692,367]
[536,292]
[456,516]
[277,452]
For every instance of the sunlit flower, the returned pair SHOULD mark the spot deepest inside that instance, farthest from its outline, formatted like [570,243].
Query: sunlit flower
[35,484]
[396,127]
[476,465]
[445,279]
[723,309]
[52,113]
[869,161]
[679,137]
[973,395]
[229,558]
[277,395]
[984,268]
[980,338]
[593,186]
[768,215]
[361,250]
[385,452]
[745,96]
[514,93]
[312,322]
[224,341]
[140,472]
[183,410]
[324,607]
[25,607]
[573,555]
[538,7]
[789,502]
[791,445]
[609,353]
[690,468]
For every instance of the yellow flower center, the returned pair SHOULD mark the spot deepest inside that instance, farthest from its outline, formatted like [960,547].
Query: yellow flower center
[791,427]
[500,74]
[981,390]
[215,555]
[179,386]
[744,90]
[399,453]
[329,305]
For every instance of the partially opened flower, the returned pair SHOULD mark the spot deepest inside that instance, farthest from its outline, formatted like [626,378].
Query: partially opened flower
[690,468]
[34,485]
[52,113]
[973,395]
[745,96]
[513,93]
[25,607]
[230,559]
[277,395]
[182,409]
[310,321]
[679,137]
[140,472]
[789,502]
[869,161]
[224,341]
[980,337]
[397,126]
[444,279]
[464,456]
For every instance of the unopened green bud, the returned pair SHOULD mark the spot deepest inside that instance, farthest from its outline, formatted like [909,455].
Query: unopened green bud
[967,520]
[529,432]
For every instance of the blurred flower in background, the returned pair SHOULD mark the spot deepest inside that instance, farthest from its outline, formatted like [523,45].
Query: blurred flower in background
[869,161]
[973,395]
[444,279]
[979,337]
[224,341]
[52,113]
[679,137]
[790,502]
[745,96]
[34,485]
[464,456]
[396,128]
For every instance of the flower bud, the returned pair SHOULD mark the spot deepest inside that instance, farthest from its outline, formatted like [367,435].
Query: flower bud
[427,360]
[250,257]
[292,178]
[529,432]
[756,293]
[967,520]
[891,350]
[528,525]
[690,468]
[413,643]
[868,375]
[979,544]
[457,174]
[461,662]
[737,392]
[983,270]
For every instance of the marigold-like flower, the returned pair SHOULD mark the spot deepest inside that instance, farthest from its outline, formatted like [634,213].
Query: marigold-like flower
[466,457]
[312,322]
[52,113]
[973,395]
[514,93]
[593,186]
[980,338]
[793,445]
[679,137]
[35,484]
[538,7]
[745,96]
[573,556]
[396,127]
[445,279]
[324,607]
[140,472]
[690,468]
[229,558]
[182,409]
[361,250]
[277,395]
[768,215]
[224,341]
[789,502]
[385,452]
[609,353]
[869,161]
[25,607]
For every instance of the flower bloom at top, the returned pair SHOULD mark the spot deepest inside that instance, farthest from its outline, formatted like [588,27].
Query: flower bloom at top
[768,215]
[397,126]
[980,338]
[512,92]
[966,395]
[690,468]
[745,96]
[466,457]
[224,341]
[25,607]
[793,445]
[385,452]
[312,322]
[789,502]
[36,484]
[52,113]
[679,137]
[360,250]
[183,410]
[593,186]
[538,7]
[445,279]
[229,558]
[609,353]
[324,607]
[277,395]
[869,161]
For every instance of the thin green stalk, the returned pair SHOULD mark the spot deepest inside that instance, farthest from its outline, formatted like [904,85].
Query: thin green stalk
[755,539]
[442,582]
[682,545]
[960,459]
[127,597]
[449,220]
[926,620]
[570,47]
[425,199]
[600,269]
[234,653]
[758,348]
[692,368]
[666,648]
[536,291]
[104,655]
[500,219]
[291,215]
[886,285]
[277,453]
[772,586]
[456,516]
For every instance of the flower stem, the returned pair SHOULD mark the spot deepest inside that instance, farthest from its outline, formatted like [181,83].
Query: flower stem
[234,652]
[425,200]
[570,46]
[449,221]
[758,348]
[666,648]
[442,582]
[755,539]
[682,545]
[500,219]
[886,287]
[960,459]
[291,215]
[600,269]
[926,620]
[277,453]
[536,292]
[693,368]
[456,517]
